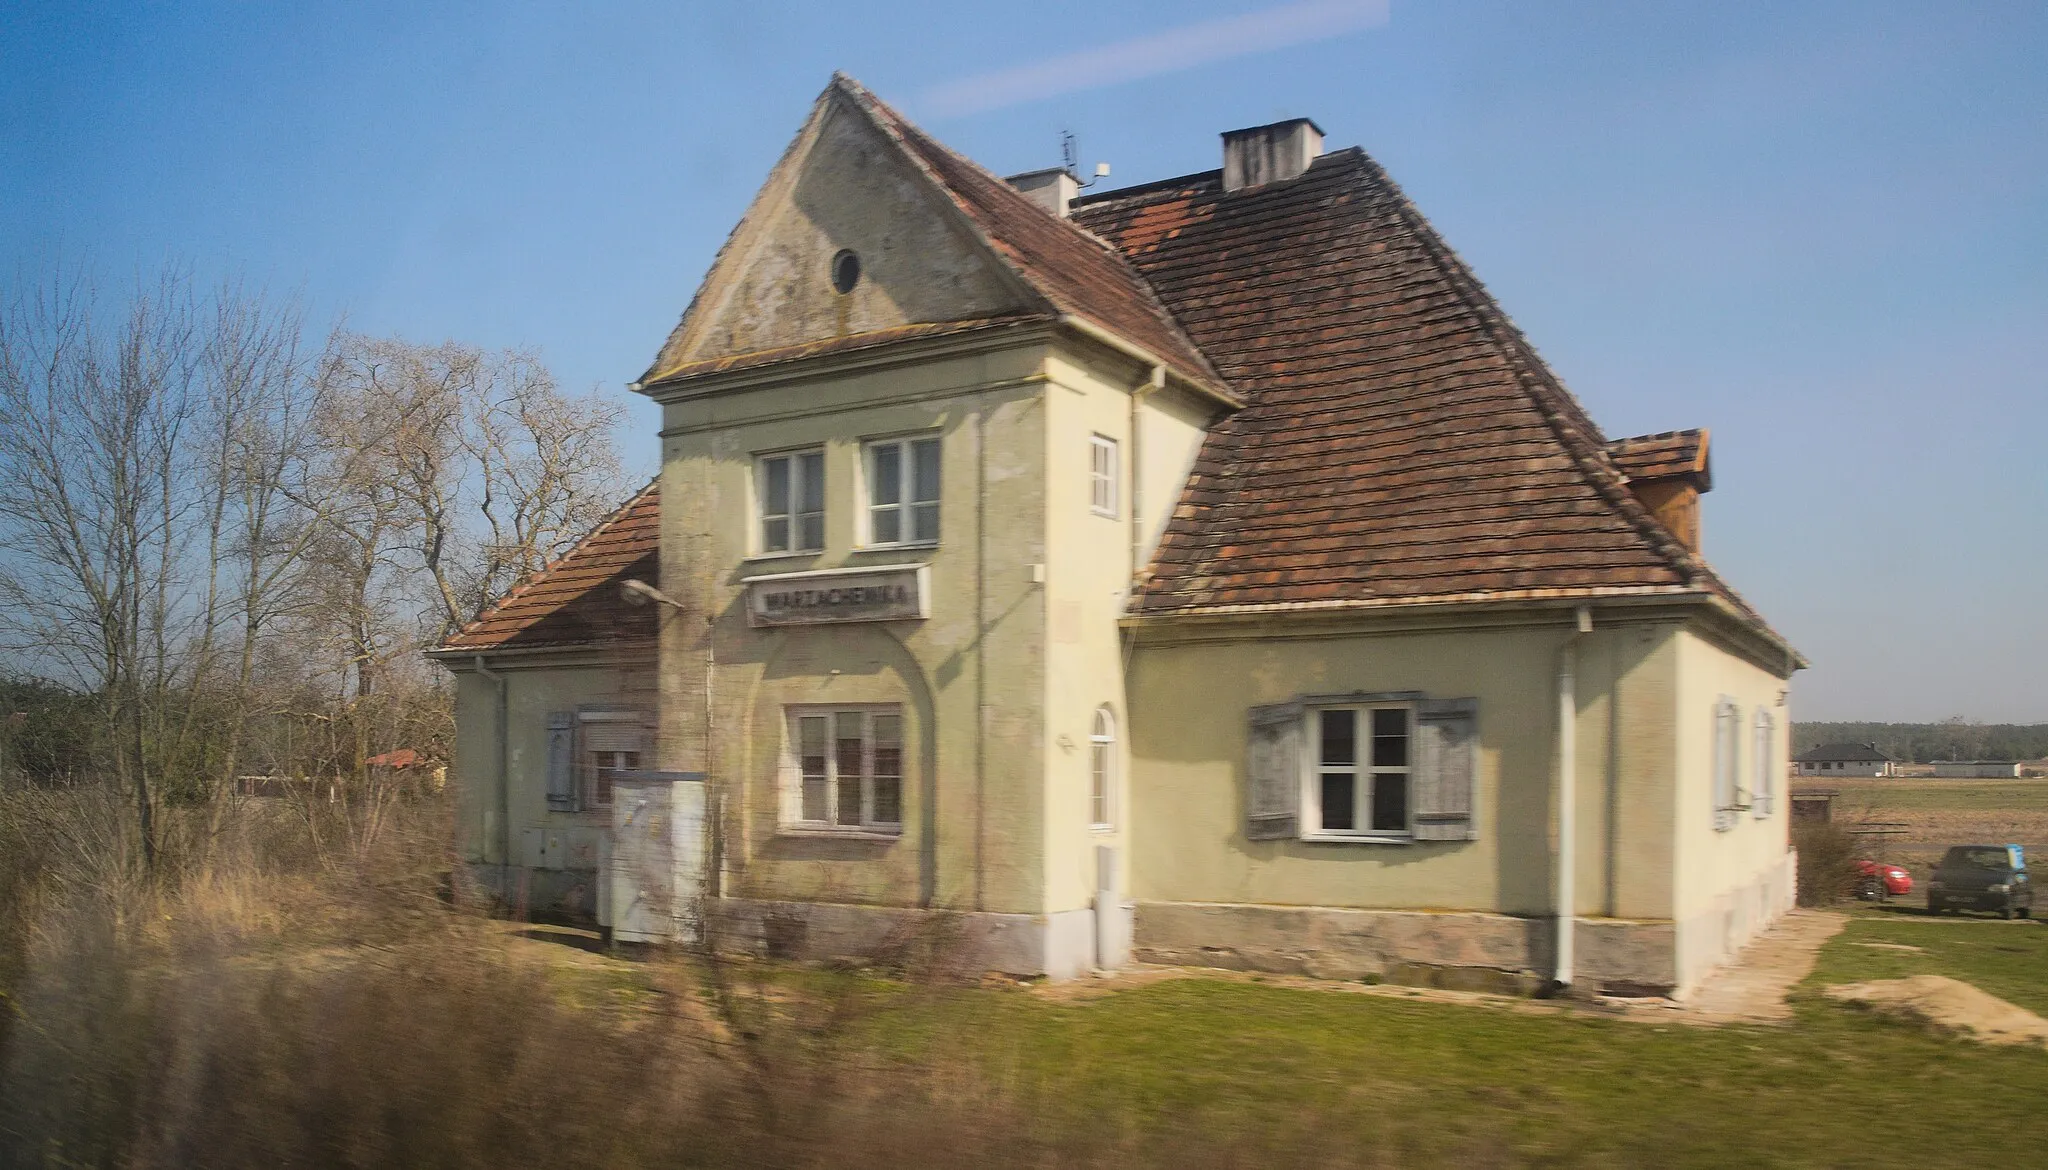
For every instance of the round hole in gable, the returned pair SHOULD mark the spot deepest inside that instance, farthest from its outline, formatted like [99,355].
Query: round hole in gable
[845,271]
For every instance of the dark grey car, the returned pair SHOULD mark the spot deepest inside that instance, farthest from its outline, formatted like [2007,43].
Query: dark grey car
[1981,877]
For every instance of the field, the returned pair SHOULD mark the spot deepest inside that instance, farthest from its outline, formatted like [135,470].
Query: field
[273,1004]
[1934,814]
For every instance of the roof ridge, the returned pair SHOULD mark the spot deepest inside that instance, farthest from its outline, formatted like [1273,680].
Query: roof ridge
[1577,433]
[899,129]
[546,571]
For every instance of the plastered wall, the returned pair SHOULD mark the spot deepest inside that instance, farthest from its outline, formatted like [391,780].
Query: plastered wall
[972,836]
[1190,702]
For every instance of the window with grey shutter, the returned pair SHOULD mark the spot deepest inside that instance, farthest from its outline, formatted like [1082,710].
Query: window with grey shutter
[562,761]
[1273,773]
[1446,731]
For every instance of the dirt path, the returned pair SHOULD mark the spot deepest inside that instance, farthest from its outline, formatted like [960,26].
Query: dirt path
[1752,988]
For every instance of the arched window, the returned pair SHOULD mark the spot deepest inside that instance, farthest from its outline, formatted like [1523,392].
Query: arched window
[1102,770]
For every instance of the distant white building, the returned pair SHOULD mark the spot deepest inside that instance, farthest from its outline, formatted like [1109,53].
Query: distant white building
[1976,769]
[1845,759]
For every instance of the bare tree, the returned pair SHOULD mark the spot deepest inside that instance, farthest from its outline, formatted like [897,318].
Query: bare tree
[93,496]
[208,525]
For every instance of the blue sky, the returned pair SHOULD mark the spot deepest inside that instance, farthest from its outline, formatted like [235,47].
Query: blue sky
[1819,230]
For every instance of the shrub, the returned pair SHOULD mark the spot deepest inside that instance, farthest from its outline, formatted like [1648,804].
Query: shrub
[1827,862]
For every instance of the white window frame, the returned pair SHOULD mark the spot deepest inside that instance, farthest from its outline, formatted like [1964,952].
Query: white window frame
[1727,759]
[905,508]
[1102,771]
[793,818]
[1105,470]
[793,518]
[1364,775]
[1764,768]
[587,766]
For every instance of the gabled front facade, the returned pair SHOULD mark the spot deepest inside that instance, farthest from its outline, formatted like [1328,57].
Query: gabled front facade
[1205,571]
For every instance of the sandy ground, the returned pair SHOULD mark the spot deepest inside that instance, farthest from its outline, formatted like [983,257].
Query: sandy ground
[1950,1004]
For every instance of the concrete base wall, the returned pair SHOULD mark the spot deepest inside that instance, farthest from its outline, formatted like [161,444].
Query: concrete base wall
[1710,938]
[1058,946]
[1447,949]
[567,893]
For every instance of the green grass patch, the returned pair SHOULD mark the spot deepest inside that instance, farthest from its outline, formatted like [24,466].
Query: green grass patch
[1418,1083]
[1938,795]
[2006,959]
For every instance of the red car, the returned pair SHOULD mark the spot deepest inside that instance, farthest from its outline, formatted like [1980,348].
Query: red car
[1878,881]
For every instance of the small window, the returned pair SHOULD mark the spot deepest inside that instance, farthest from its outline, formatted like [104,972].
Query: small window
[903,491]
[791,497]
[1360,786]
[1102,770]
[845,769]
[610,742]
[1102,476]
[845,271]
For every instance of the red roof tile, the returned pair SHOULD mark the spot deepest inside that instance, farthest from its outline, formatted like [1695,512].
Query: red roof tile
[575,600]
[1401,439]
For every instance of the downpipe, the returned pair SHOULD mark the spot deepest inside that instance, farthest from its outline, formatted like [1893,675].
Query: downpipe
[1567,800]
[504,770]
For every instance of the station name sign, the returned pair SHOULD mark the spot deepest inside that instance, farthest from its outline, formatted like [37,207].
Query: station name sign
[896,593]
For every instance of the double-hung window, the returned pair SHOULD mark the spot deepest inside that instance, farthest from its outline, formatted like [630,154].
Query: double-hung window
[1102,476]
[790,489]
[1361,776]
[845,768]
[903,491]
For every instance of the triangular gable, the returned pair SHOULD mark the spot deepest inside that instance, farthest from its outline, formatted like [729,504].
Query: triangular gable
[942,244]
[844,183]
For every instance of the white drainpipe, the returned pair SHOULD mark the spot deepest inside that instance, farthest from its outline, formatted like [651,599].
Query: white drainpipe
[504,773]
[1568,794]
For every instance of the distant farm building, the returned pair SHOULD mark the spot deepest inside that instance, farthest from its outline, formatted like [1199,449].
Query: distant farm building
[1845,759]
[1976,769]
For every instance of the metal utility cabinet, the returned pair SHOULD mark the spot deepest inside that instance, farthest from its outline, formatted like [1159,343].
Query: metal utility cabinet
[656,876]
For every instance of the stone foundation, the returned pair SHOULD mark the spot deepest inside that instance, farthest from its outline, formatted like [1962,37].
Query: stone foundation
[562,893]
[1058,946]
[1467,950]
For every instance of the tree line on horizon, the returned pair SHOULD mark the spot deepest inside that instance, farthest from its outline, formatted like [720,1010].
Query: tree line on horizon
[1924,743]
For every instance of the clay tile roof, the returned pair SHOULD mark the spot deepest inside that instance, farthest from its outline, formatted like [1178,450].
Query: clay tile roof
[1077,272]
[1401,440]
[1663,455]
[575,601]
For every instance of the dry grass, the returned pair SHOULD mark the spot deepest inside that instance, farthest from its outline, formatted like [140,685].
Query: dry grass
[288,990]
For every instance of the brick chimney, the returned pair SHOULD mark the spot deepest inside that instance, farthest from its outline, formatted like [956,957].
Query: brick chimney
[1052,188]
[1269,154]
[1668,472]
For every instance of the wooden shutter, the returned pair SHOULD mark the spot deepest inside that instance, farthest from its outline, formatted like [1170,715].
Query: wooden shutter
[1273,773]
[1447,734]
[562,761]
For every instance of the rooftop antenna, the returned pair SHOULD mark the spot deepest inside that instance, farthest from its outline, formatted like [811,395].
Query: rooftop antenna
[1071,158]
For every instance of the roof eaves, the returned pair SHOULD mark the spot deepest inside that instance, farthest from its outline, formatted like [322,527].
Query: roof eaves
[455,643]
